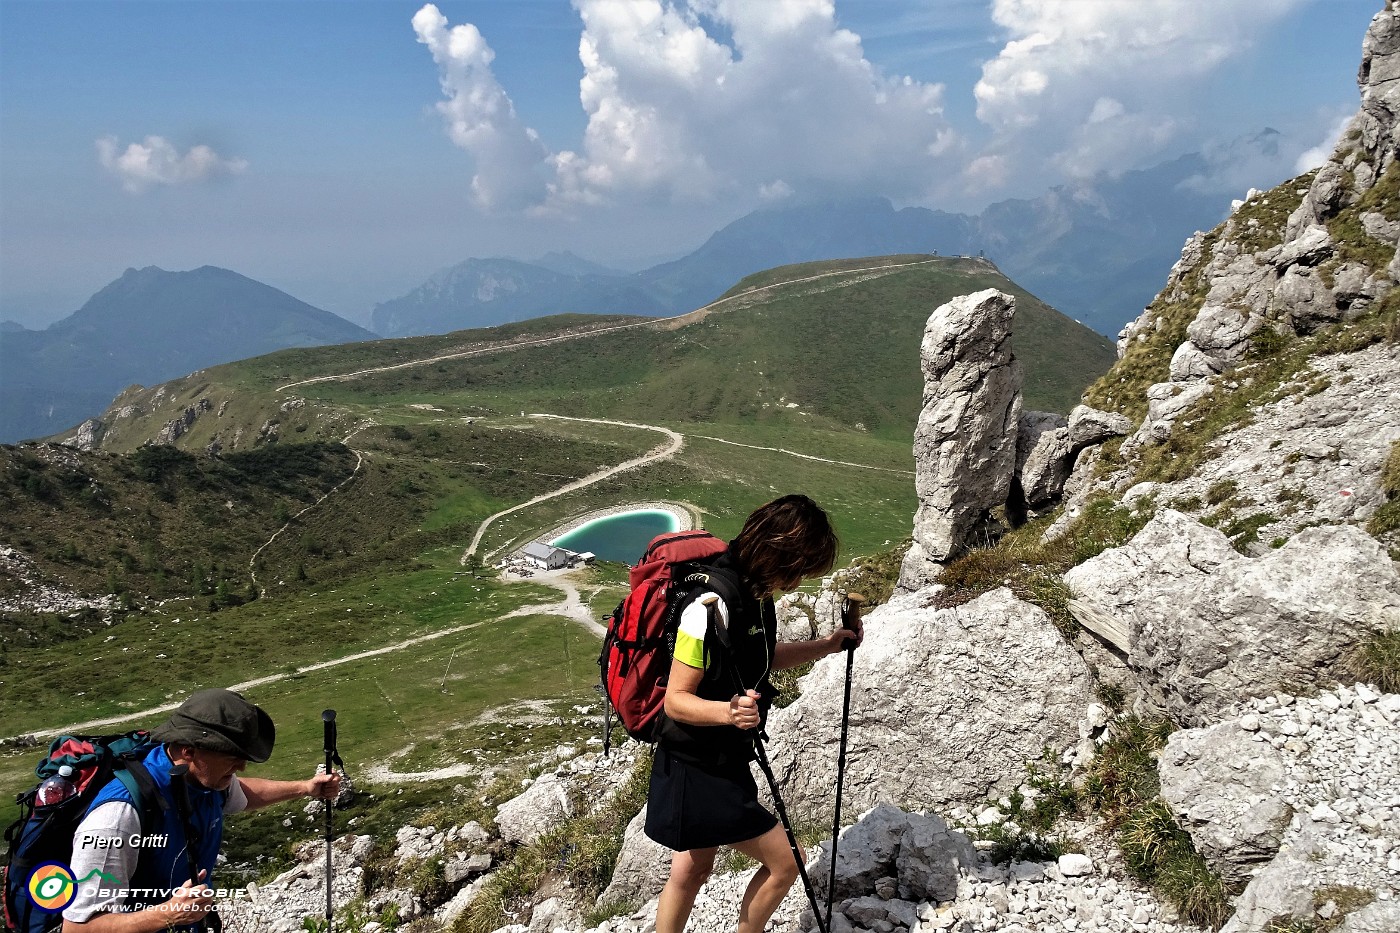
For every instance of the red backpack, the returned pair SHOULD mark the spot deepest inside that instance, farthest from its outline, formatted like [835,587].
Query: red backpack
[641,635]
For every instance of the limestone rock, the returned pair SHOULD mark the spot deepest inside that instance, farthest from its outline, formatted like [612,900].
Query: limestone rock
[88,435]
[1209,627]
[1282,890]
[1191,362]
[542,806]
[929,685]
[1218,782]
[1223,332]
[890,860]
[965,440]
[1310,247]
[1042,456]
[1376,917]
[1091,426]
[642,866]
[1166,401]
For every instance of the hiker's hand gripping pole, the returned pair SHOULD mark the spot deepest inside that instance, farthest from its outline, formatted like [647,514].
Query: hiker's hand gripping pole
[761,756]
[850,619]
[332,755]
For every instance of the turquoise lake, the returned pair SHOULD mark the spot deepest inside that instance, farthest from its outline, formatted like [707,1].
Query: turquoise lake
[622,537]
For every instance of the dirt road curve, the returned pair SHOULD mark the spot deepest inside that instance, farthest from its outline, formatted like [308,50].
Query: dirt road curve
[674,442]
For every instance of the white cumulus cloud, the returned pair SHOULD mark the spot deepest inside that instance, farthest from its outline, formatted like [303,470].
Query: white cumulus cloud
[155,161]
[480,117]
[1091,85]
[1314,157]
[694,99]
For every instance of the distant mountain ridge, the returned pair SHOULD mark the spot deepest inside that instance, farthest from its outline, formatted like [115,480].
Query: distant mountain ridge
[145,327]
[485,292]
[1097,250]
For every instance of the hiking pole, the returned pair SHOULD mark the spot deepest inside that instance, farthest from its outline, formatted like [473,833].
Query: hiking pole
[850,619]
[328,720]
[761,756]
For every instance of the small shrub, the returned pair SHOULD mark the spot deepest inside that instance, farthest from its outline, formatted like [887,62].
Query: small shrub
[1219,492]
[1377,661]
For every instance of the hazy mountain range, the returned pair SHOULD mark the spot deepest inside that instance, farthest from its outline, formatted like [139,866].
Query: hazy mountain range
[148,326]
[1097,251]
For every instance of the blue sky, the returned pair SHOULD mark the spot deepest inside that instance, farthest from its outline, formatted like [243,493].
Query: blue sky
[344,151]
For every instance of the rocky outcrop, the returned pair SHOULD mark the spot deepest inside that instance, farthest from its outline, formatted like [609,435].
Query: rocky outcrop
[1042,457]
[1235,820]
[1335,766]
[176,428]
[947,705]
[802,616]
[1209,627]
[965,441]
[86,436]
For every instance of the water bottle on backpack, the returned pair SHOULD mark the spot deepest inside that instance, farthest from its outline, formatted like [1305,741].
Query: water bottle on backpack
[57,788]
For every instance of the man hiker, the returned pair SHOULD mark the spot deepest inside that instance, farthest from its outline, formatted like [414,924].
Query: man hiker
[163,882]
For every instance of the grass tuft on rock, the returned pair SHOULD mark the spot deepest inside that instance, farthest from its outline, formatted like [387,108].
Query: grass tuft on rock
[1376,661]
[1123,788]
[1033,568]
[582,851]
[1387,518]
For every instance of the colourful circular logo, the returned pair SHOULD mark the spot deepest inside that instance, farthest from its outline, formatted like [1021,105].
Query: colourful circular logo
[52,887]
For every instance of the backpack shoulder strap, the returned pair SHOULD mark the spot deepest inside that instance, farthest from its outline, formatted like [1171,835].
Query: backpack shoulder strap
[150,802]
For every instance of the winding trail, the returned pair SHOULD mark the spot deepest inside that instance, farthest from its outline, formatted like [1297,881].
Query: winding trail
[673,445]
[571,607]
[359,462]
[793,453]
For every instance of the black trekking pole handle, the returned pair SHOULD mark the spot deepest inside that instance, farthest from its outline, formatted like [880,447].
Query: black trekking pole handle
[761,756]
[850,619]
[328,720]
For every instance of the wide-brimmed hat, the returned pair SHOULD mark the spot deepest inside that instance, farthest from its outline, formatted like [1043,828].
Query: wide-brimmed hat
[221,721]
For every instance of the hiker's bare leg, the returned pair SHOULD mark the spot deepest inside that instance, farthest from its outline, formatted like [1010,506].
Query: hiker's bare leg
[770,883]
[688,873]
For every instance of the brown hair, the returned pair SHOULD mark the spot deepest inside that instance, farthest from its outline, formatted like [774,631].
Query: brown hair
[788,537]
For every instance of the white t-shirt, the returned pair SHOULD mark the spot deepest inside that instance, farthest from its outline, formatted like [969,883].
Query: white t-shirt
[115,819]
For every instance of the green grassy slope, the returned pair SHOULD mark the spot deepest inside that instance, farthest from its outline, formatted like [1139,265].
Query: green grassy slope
[845,350]
[842,348]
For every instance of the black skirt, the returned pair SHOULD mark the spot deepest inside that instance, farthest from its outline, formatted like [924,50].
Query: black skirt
[694,806]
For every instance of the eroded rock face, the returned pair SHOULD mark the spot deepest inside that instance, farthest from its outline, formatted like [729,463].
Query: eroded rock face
[1210,627]
[965,441]
[1218,783]
[947,705]
[1042,457]
[642,866]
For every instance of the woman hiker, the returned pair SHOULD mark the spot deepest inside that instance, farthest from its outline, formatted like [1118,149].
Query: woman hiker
[703,794]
